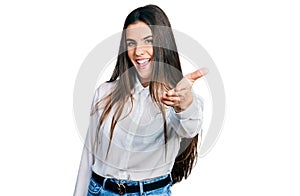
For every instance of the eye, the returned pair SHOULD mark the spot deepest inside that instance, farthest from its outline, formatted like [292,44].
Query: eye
[149,41]
[130,44]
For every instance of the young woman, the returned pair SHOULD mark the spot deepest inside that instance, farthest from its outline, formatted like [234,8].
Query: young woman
[145,120]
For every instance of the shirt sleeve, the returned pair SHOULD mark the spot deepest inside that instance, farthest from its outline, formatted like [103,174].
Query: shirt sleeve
[187,123]
[87,157]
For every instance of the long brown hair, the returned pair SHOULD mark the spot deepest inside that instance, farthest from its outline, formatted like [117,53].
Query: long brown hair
[165,53]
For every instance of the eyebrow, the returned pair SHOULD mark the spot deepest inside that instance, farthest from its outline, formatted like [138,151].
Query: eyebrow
[148,36]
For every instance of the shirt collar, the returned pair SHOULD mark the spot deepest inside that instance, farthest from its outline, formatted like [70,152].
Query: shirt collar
[138,88]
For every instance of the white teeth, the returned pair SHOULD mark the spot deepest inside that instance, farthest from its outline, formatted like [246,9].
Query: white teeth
[142,61]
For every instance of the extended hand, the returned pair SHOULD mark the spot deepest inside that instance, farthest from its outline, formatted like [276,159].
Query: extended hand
[181,96]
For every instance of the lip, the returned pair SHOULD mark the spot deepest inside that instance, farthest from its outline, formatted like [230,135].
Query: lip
[143,65]
[141,59]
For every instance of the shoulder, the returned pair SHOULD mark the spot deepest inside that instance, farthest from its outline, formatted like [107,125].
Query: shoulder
[106,86]
[104,89]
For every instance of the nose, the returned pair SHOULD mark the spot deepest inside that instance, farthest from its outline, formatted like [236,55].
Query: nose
[139,50]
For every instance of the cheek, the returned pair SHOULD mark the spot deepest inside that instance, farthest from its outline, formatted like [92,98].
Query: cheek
[130,54]
[150,51]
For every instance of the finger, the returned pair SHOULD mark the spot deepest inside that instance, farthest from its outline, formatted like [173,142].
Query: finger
[171,103]
[171,93]
[164,96]
[196,74]
[168,103]
[172,99]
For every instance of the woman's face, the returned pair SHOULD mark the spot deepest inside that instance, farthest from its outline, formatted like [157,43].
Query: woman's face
[140,49]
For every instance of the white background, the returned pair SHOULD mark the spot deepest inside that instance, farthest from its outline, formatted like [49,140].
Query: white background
[255,45]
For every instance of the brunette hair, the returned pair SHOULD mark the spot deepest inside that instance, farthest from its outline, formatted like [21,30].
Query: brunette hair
[165,53]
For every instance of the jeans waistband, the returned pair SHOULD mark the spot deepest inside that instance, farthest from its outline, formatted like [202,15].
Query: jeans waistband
[115,186]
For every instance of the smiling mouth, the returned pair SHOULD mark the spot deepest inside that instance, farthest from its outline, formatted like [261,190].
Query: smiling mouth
[142,63]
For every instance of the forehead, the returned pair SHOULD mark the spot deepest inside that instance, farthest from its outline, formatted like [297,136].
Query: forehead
[138,30]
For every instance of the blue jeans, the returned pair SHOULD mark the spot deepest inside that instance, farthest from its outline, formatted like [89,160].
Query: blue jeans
[95,189]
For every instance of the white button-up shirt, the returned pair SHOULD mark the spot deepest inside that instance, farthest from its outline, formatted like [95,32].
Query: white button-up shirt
[138,149]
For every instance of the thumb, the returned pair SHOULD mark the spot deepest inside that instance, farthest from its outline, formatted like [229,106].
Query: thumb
[196,74]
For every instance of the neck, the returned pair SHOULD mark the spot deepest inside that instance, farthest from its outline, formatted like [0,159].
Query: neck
[144,82]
